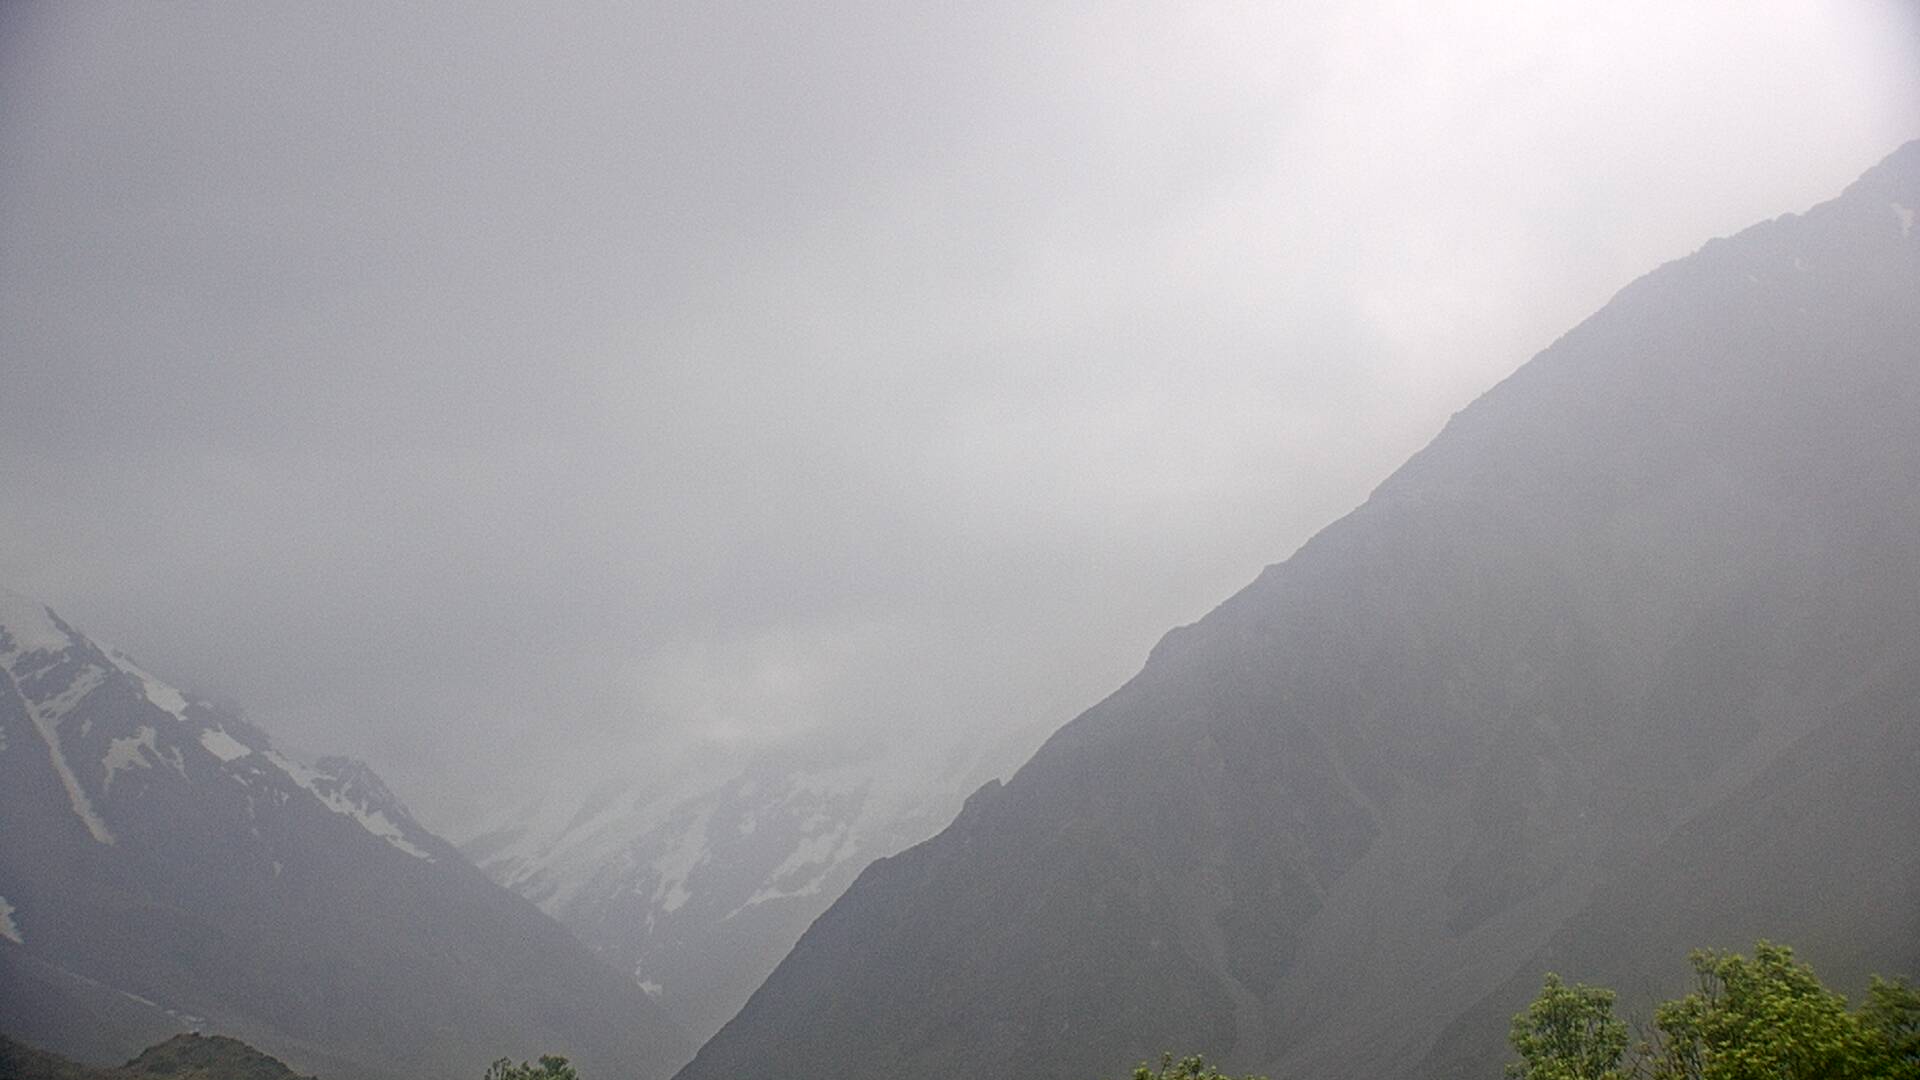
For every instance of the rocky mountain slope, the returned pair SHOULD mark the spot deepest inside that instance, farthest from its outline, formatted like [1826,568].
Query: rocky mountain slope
[163,866]
[1621,664]
[699,892]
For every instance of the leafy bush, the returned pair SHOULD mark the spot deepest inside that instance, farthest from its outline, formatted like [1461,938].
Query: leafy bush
[551,1067]
[1568,1033]
[1765,1018]
[1187,1068]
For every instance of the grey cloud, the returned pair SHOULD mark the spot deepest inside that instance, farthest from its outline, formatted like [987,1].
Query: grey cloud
[482,388]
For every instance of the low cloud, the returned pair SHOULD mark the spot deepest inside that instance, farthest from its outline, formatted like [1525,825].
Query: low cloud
[568,389]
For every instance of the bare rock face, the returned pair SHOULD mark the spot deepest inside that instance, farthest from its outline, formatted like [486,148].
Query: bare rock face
[163,866]
[1623,663]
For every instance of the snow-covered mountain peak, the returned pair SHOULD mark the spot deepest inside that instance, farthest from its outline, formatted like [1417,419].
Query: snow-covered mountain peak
[163,864]
[105,721]
[351,787]
[28,626]
[698,885]
[355,780]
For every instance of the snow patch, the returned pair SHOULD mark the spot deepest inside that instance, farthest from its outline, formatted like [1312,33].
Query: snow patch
[1905,214]
[46,720]
[824,851]
[374,821]
[59,705]
[299,773]
[811,852]
[653,989]
[688,851]
[166,697]
[129,752]
[222,745]
[559,849]
[8,928]
[30,624]
[377,824]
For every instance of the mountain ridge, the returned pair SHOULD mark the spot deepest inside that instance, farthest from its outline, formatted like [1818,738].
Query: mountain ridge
[188,1056]
[700,890]
[1605,598]
[165,866]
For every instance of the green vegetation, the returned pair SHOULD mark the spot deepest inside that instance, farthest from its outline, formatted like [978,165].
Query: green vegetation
[551,1067]
[1187,1068]
[1568,1033]
[1764,1018]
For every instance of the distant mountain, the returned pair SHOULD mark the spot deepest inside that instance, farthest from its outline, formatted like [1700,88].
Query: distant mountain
[206,1057]
[19,1061]
[183,1057]
[699,893]
[1626,661]
[163,866]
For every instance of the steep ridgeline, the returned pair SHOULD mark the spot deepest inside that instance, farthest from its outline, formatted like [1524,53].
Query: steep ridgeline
[1626,661]
[699,893]
[162,867]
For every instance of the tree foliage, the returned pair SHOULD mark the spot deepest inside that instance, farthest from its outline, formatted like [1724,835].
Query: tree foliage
[551,1067]
[1762,1018]
[1768,1017]
[1568,1033]
[1187,1068]
[1891,1015]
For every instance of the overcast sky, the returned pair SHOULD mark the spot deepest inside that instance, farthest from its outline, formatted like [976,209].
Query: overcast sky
[489,390]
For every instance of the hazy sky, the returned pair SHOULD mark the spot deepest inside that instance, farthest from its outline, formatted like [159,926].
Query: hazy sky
[485,390]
